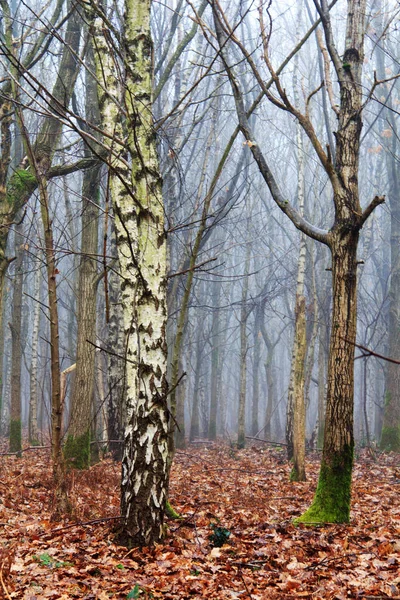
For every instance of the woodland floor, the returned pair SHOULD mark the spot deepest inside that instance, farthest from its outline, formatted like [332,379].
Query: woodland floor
[247,492]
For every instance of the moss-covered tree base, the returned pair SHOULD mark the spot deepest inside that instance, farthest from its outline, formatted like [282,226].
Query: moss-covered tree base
[331,503]
[15,435]
[77,451]
[390,440]
[296,475]
[171,512]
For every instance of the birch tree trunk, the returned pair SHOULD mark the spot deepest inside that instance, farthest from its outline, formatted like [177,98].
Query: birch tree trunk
[116,363]
[141,242]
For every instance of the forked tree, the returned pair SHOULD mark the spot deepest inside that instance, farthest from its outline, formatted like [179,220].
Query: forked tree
[332,498]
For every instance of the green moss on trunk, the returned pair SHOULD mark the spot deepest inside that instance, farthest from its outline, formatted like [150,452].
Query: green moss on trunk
[21,182]
[15,435]
[331,503]
[171,512]
[295,475]
[77,451]
[390,440]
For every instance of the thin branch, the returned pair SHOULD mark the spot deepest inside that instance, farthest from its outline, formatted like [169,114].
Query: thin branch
[370,352]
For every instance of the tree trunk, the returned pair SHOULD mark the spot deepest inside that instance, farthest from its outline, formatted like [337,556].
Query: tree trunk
[195,420]
[77,447]
[141,242]
[390,437]
[296,392]
[215,363]
[116,363]
[256,372]
[241,439]
[180,434]
[296,407]
[332,498]
[15,412]
[320,425]
[33,399]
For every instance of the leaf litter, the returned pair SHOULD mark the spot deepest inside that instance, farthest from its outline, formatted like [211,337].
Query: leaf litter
[236,539]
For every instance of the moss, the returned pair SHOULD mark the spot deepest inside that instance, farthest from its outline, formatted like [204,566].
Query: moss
[390,440]
[331,503]
[15,435]
[295,475]
[20,182]
[77,451]
[171,512]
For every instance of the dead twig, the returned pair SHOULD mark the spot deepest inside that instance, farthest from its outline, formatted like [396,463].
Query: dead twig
[3,585]
[248,437]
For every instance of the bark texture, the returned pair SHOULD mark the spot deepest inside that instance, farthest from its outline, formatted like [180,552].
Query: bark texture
[141,242]
[77,448]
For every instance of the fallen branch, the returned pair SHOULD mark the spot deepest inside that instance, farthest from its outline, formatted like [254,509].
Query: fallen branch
[3,585]
[265,441]
[84,523]
[23,450]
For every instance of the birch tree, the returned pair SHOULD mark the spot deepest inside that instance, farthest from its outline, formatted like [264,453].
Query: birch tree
[135,184]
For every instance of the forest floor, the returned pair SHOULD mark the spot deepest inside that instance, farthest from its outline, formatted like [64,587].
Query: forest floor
[246,492]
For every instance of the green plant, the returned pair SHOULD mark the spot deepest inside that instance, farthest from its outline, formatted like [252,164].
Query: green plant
[48,561]
[136,592]
[219,537]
